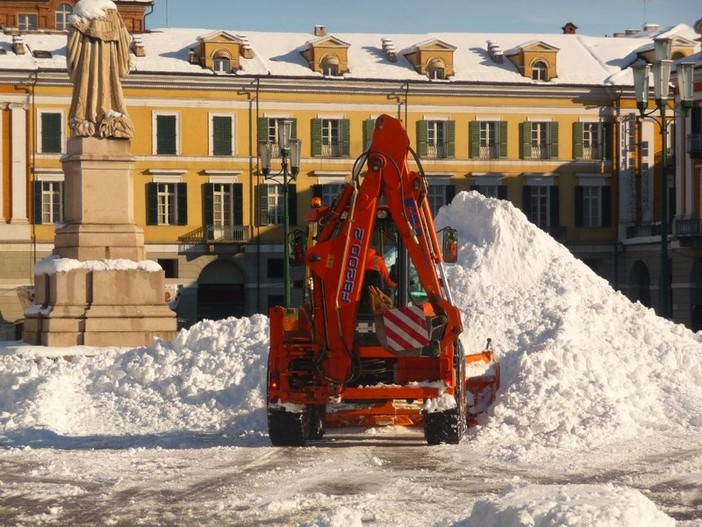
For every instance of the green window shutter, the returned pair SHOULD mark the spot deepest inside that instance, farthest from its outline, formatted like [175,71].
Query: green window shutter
[152,203]
[263,205]
[554,207]
[166,134]
[51,133]
[553,140]
[526,201]
[578,140]
[182,197]
[208,202]
[316,137]
[579,206]
[262,129]
[607,141]
[422,133]
[221,136]
[37,202]
[525,130]
[450,193]
[293,129]
[474,135]
[292,204]
[503,139]
[345,133]
[368,130]
[606,206]
[451,139]
[238,205]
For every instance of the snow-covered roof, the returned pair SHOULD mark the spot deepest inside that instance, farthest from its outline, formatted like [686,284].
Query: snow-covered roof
[582,60]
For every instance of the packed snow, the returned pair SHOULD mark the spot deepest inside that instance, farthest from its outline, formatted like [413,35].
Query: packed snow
[582,369]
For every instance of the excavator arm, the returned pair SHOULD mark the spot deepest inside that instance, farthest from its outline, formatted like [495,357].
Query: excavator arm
[337,262]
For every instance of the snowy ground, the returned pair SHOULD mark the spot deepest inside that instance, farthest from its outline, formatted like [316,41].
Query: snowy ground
[597,422]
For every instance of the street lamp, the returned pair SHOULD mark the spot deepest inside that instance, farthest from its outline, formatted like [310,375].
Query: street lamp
[289,150]
[661,67]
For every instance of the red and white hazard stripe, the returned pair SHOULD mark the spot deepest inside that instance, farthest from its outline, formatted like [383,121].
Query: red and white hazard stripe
[406,328]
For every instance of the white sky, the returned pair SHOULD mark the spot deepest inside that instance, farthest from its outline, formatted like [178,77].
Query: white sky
[595,17]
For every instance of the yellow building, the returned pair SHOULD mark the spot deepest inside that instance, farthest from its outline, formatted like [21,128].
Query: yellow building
[545,121]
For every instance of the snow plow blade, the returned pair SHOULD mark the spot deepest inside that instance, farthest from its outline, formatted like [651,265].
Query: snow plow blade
[482,383]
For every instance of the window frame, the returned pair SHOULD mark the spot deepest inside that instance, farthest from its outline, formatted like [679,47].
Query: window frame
[61,16]
[24,21]
[539,70]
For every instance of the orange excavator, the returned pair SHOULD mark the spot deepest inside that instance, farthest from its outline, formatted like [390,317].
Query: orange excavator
[376,339]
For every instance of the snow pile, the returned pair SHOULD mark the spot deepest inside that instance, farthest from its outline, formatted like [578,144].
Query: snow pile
[206,379]
[581,364]
[581,505]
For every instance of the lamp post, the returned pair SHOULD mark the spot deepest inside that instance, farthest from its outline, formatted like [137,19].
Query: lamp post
[661,67]
[289,149]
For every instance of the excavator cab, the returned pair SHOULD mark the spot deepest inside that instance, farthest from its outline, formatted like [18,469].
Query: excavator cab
[376,340]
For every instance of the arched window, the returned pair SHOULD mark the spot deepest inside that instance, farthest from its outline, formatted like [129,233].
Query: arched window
[330,66]
[222,62]
[436,69]
[63,11]
[539,70]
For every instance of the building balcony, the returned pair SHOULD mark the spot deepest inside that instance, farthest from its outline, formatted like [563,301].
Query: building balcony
[217,235]
[688,227]
[645,230]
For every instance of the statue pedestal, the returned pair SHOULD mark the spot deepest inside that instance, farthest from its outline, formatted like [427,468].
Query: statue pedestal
[99,292]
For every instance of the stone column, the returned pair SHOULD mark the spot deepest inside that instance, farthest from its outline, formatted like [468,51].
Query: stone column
[18,170]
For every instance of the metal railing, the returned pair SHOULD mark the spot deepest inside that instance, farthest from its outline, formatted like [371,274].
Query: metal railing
[216,234]
[688,227]
[645,230]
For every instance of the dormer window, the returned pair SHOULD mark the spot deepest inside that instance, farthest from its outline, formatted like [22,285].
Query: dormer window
[327,55]
[436,69]
[539,70]
[433,59]
[330,66]
[536,60]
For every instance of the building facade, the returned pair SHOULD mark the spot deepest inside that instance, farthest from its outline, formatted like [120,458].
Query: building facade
[547,122]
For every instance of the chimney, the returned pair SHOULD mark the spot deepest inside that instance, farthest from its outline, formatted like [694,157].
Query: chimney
[246,49]
[138,46]
[569,29]
[495,52]
[18,45]
[320,31]
[389,49]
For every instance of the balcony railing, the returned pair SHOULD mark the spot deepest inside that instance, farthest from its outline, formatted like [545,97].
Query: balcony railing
[694,145]
[645,230]
[490,151]
[216,234]
[437,151]
[688,227]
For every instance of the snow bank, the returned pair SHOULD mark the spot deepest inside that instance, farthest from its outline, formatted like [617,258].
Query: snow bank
[581,364]
[209,379]
[555,506]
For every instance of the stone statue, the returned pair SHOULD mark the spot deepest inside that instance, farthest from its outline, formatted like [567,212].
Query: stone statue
[97,58]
